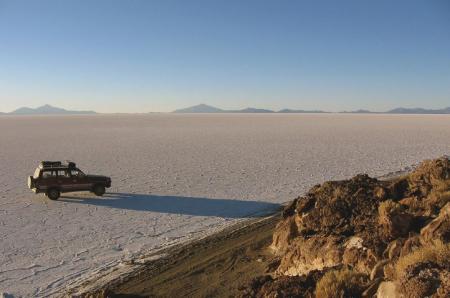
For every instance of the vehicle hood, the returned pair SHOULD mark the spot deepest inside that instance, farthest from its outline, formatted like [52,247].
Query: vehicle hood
[98,177]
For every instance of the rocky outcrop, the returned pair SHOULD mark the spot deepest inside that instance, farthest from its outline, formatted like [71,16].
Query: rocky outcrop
[315,253]
[439,228]
[388,289]
[372,227]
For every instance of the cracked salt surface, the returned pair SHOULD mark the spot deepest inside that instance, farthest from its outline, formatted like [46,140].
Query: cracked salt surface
[175,178]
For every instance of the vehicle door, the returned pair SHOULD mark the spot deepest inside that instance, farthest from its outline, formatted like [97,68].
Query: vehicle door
[48,179]
[64,180]
[79,180]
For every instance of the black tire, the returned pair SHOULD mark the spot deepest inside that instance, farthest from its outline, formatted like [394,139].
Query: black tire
[99,190]
[53,194]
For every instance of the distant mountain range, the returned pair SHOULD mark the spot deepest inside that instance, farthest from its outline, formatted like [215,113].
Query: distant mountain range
[46,110]
[203,108]
[419,111]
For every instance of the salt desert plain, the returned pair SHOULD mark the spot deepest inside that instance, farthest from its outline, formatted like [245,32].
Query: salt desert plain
[177,177]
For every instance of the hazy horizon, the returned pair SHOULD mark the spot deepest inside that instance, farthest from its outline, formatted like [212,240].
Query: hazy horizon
[158,56]
[235,109]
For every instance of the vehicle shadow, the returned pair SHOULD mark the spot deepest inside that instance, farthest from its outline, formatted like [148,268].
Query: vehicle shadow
[226,208]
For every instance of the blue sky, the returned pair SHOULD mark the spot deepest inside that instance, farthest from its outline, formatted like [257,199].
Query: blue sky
[139,56]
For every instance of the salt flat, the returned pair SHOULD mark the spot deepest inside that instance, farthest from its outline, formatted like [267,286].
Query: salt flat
[177,177]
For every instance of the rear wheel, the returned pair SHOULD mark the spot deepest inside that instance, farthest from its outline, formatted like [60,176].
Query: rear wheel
[99,190]
[53,194]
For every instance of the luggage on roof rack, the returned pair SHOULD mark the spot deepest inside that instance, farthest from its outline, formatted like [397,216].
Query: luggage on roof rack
[57,164]
[51,164]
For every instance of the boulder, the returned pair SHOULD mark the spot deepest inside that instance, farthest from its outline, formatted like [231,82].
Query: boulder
[410,245]
[388,289]
[315,253]
[430,174]
[438,229]
[359,257]
[372,288]
[394,221]
[285,231]
[393,249]
[378,270]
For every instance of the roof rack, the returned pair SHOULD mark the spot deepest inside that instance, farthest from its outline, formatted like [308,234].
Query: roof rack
[57,164]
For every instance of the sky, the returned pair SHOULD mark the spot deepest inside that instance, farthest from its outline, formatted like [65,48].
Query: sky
[143,56]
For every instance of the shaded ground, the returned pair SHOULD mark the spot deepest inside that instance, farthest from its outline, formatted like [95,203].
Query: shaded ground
[225,208]
[217,266]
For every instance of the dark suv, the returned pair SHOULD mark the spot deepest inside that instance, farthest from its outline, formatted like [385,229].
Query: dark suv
[55,177]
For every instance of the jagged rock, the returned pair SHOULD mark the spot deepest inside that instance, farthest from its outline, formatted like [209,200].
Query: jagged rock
[339,207]
[389,271]
[285,231]
[380,193]
[430,174]
[439,228]
[394,248]
[388,289]
[358,256]
[398,188]
[315,253]
[378,270]
[289,210]
[410,245]
[372,289]
[395,222]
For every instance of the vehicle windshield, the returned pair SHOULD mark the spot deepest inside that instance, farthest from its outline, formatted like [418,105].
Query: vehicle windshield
[36,173]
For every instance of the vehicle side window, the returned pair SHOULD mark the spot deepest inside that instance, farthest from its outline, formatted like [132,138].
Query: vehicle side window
[48,174]
[76,173]
[63,173]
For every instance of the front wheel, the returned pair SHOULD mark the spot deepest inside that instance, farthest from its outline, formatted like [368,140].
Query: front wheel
[99,190]
[53,194]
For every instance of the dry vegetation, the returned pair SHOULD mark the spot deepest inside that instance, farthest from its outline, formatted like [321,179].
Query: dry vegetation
[437,253]
[341,283]
[389,207]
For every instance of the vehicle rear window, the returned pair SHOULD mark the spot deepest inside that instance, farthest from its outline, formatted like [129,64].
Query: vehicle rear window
[48,174]
[63,173]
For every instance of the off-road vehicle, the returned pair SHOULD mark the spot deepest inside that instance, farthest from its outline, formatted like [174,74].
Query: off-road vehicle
[55,177]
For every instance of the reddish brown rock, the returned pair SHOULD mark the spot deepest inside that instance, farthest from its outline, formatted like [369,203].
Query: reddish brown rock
[378,270]
[431,174]
[285,231]
[315,253]
[388,289]
[359,257]
[395,222]
[410,245]
[439,228]
[394,248]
